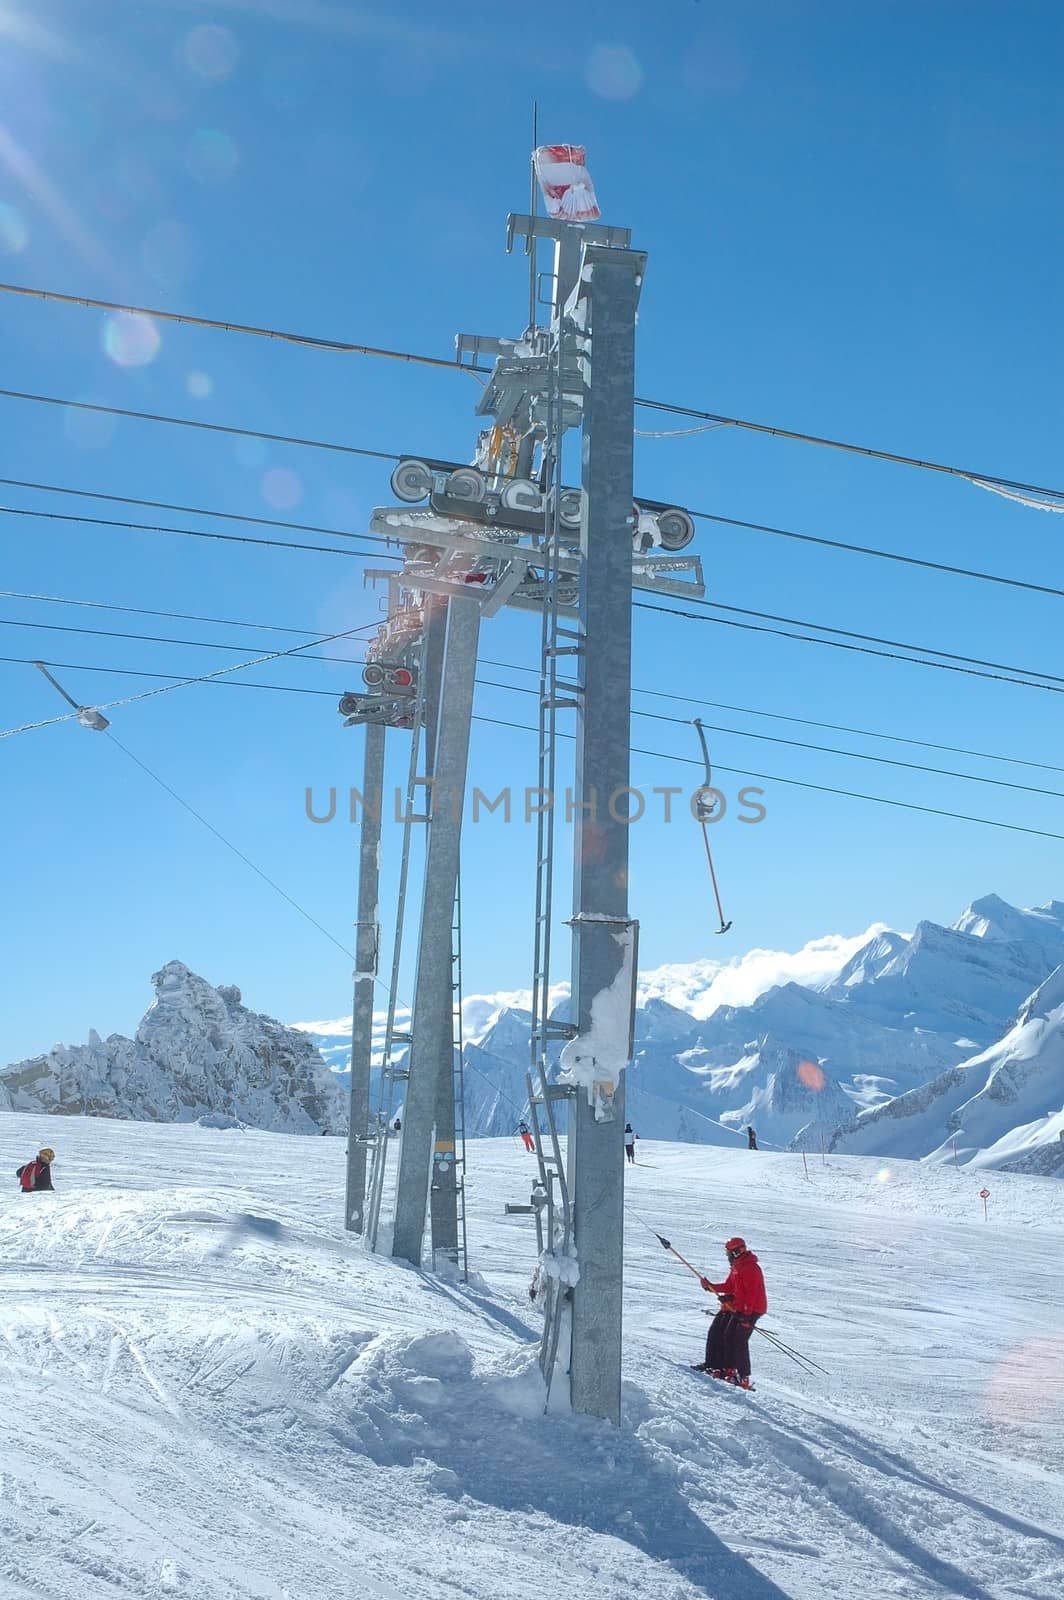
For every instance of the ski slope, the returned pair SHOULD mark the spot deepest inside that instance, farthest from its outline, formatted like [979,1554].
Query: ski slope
[211,1392]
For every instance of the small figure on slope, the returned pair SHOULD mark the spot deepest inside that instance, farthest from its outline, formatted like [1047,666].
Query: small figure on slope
[526,1136]
[629,1142]
[37,1174]
[397,1125]
[742,1302]
[751,1138]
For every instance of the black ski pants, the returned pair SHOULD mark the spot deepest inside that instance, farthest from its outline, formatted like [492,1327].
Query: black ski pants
[728,1343]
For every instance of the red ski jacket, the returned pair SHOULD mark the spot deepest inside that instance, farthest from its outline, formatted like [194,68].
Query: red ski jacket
[746,1285]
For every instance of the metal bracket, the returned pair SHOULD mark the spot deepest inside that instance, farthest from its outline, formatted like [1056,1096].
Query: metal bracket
[520,225]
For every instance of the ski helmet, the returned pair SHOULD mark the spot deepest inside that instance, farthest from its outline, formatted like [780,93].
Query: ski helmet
[46,1154]
[735,1247]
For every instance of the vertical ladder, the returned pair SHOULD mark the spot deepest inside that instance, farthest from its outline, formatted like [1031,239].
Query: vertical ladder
[459,1082]
[558,640]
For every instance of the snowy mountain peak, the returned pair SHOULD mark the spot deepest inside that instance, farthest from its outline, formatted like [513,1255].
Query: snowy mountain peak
[198,1052]
[992,918]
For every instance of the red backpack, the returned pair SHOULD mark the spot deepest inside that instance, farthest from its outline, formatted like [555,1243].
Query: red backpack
[27,1175]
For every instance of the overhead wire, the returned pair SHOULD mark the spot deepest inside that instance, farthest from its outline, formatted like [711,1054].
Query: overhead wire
[194,644]
[809,722]
[312,341]
[1006,674]
[192,422]
[305,654]
[872,638]
[857,649]
[202,533]
[801,783]
[200,818]
[348,347]
[511,666]
[822,749]
[662,755]
[148,694]
[198,511]
[847,547]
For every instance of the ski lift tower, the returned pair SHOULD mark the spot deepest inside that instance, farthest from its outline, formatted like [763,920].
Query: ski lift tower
[506,530]
[596,289]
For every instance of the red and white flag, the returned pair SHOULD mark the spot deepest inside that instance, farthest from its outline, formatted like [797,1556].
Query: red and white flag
[565,182]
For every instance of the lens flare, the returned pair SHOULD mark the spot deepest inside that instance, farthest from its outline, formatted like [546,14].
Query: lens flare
[613,72]
[131,339]
[14,234]
[211,52]
[212,156]
[281,488]
[810,1075]
[884,1175]
[199,385]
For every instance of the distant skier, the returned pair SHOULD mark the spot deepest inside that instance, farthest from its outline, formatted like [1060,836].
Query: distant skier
[37,1174]
[751,1138]
[742,1302]
[526,1135]
[629,1142]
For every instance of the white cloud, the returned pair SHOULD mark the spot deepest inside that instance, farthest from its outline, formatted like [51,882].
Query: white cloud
[700,987]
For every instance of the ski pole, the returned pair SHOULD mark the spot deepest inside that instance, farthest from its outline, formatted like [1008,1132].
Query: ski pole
[795,1355]
[791,1351]
[796,1359]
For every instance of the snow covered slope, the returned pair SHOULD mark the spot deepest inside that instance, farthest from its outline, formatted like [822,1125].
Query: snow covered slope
[1002,1108]
[198,1052]
[211,1392]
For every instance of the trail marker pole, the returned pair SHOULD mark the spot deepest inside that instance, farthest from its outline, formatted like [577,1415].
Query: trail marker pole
[984,1195]
[805,1164]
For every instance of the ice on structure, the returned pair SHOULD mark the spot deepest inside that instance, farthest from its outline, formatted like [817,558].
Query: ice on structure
[198,1053]
[594,1060]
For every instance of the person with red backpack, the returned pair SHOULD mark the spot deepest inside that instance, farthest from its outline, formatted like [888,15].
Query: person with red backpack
[37,1174]
[742,1302]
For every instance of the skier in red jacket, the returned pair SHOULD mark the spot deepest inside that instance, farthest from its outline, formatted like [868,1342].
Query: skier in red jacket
[37,1174]
[742,1301]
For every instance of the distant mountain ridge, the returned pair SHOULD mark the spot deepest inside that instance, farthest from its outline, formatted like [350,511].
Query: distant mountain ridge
[946,1043]
[869,1020]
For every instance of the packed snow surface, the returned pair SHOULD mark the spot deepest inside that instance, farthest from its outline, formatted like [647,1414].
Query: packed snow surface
[210,1391]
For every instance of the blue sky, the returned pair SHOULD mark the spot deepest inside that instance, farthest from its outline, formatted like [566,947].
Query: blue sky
[853,222]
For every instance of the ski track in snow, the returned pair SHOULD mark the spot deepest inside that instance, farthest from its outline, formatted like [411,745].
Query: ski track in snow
[211,1391]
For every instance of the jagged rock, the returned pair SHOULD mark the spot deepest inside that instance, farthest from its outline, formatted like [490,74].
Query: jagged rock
[197,1053]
